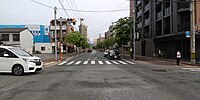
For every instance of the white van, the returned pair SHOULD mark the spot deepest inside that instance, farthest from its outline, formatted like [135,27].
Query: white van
[17,61]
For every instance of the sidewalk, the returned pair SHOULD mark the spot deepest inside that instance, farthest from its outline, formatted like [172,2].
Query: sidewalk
[161,61]
[49,59]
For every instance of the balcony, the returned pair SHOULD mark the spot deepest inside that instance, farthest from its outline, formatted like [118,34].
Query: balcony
[167,11]
[139,13]
[58,28]
[138,2]
[183,6]
[147,22]
[139,25]
[146,8]
[159,15]
[183,27]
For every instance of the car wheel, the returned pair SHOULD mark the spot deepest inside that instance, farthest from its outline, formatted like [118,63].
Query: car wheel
[18,70]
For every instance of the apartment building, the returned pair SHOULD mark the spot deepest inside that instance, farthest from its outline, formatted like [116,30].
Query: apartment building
[162,26]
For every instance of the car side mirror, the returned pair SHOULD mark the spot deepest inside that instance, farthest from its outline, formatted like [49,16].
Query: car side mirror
[6,55]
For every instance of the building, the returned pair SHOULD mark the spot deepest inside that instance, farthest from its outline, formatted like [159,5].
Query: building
[19,37]
[40,36]
[83,29]
[162,26]
[63,27]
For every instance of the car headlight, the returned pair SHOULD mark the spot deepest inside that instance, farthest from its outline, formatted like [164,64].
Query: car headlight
[28,60]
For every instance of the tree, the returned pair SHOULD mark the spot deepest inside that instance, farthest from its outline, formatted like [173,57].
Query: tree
[77,39]
[109,42]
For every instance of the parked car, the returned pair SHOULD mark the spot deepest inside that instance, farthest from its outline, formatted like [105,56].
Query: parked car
[17,61]
[106,53]
[113,55]
[89,50]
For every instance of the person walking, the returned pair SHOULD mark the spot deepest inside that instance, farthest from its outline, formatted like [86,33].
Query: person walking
[178,57]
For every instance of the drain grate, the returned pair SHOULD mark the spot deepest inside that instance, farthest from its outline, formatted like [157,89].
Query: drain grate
[159,70]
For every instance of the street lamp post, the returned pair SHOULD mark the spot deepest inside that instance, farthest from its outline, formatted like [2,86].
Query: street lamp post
[55,34]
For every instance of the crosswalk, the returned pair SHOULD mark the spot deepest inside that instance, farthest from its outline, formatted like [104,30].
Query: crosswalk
[95,62]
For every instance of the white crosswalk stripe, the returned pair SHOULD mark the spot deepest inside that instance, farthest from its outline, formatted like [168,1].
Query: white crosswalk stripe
[122,62]
[100,62]
[93,62]
[86,62]
[107,62]
[70,62]
[115,62]
[78,62]
[130,62]
[62,63]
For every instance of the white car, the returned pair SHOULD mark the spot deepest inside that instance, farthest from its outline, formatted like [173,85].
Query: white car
[17,61]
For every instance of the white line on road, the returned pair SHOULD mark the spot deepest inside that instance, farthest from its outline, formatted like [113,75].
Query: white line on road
[62,63]
[92,62]
[86,62]
[100,62]
[107,62]
[130,62]
[122,62]
[78,62]
[115,62]
[70,63]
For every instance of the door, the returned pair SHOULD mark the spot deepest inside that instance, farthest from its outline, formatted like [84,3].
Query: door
[6,59]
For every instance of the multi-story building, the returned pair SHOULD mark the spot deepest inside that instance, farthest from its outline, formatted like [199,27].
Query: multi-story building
[41,39]
[63,26]
[162,26]
[83,29]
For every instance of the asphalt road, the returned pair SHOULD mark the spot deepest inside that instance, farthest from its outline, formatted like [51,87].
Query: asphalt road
[92,77]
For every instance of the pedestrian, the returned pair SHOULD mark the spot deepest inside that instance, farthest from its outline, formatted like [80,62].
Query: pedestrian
[159,54]
[178,57]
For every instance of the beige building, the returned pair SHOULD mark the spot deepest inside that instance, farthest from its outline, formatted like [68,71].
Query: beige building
[83,29]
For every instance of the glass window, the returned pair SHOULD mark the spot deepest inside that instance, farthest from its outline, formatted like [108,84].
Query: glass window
[5,37]
[20,52]
[16,37]
[5,51]
[43,48]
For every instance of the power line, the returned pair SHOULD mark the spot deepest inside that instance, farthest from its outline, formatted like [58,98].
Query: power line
[71,8]
[64,8]
[42,4]
[77,9]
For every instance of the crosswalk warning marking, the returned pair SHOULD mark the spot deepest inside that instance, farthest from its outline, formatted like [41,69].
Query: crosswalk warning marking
[78,62]
[70,62]
[107,62]
[62,63]
[115,62]
[130,62]
[86,62]
[122,62]
[92,62]
[100,62]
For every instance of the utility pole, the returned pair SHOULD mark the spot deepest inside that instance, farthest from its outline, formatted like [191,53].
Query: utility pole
[61,39]
[192,40]
[132,29]
[56,56]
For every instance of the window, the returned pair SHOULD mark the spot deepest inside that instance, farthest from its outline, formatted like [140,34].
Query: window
[5,37]
[16,37]
[43,48]
[4,51]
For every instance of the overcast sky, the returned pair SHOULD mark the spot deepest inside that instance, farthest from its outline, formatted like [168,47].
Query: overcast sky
[28,12]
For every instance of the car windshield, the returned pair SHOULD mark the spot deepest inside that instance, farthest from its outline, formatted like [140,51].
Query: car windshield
[20,52]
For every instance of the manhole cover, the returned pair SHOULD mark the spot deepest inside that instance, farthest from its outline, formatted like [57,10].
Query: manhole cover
[159,70]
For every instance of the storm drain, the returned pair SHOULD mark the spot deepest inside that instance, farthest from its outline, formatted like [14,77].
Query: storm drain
[159,70]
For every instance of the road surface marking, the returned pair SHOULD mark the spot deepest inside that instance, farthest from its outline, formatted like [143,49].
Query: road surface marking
[62,63]
[107,62]
[92,62]
[100,62]
[78,62]
[115,62]
[70,63]
[130,62]
[192,69]
[86,62]
[122,62]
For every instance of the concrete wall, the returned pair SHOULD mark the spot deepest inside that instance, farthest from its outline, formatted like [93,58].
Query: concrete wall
[47,46]
[26,41]
[149,47]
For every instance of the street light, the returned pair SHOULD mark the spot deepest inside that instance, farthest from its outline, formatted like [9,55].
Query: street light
[55,34]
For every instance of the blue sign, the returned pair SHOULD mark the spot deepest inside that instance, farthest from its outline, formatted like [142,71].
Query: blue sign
[187,33]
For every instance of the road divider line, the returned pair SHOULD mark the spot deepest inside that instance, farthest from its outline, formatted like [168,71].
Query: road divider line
[130,62]
[115,62]
[93,62]
[86,62]
[62,63]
